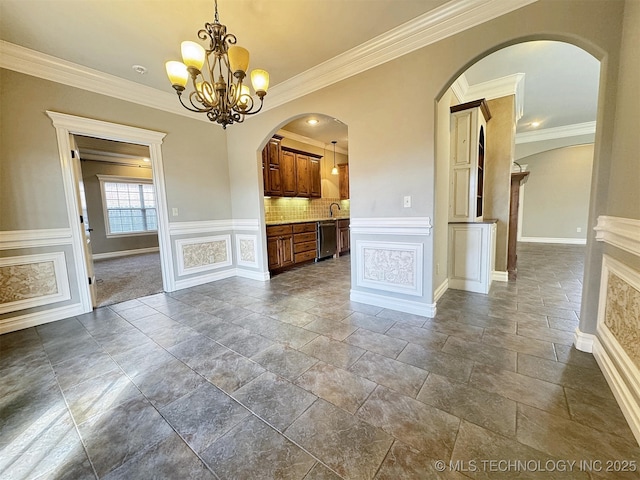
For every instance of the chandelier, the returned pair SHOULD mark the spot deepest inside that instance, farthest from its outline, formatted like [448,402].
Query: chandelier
[226,100]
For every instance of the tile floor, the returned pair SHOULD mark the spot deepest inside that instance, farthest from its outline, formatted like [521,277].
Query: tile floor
[288,379]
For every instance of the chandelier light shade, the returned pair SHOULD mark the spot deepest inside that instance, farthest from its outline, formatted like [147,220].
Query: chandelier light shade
[214,77]
[334,170]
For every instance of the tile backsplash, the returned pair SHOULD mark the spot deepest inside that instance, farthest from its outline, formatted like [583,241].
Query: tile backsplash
[293,209]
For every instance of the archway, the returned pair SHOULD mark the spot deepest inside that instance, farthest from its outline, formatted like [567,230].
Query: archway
[567,126]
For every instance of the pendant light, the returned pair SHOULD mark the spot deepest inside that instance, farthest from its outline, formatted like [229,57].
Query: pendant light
[334,170]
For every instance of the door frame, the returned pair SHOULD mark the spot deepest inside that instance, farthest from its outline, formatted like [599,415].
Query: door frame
[66,125]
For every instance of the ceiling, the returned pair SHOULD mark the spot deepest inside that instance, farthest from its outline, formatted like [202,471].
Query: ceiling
[285,37]
[560,84]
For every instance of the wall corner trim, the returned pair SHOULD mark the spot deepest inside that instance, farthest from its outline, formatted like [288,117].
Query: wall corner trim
[499,276]
[583,341]
[441,290]
[623,233]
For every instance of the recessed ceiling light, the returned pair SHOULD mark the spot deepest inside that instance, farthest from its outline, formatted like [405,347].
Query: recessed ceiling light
[146,159]
[313,121]
[139,69]
[535,124]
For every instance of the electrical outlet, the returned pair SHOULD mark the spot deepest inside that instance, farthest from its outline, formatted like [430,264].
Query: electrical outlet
[174,211]
[407,201]
[437,269]
[578,229]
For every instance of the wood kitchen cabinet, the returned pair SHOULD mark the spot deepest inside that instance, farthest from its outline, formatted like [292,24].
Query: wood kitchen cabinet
[290,173]
[316,177]
[291,244]
[344,237]
[303,175]
[271,167]
[304,242]
[343,181]
[280,246]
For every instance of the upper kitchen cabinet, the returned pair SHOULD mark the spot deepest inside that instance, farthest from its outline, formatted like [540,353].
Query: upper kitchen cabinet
[468,141]
[316,177]
[271,167]
[290,173]
[343,181]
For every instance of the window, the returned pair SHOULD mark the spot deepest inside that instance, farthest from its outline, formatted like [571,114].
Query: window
[129,205]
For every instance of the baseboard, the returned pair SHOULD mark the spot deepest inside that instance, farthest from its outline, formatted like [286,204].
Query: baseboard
[252,274]
[407,306]
[499,276]
[619,374]
[27,320]
[566,241]
[124,253]
[202,279]
[583,341]
[444,286]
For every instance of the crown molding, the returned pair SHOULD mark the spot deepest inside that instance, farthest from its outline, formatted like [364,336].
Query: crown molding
[460,87]
[37,64]
[496,88]
[587,128]
[447,20]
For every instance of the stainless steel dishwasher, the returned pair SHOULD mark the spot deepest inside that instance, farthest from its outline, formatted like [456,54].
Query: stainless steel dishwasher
[327,240]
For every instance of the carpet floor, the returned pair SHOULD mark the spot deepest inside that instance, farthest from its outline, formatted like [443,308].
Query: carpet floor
[125,278]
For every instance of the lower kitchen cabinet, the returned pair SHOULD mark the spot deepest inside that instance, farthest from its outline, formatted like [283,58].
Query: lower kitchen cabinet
[304,242]
[280,246]
[344,237]
[291,244]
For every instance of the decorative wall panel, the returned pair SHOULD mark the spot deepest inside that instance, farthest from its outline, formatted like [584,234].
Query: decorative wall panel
[197,255]
[247,250]
[394,267]
[32,280]
[622,315]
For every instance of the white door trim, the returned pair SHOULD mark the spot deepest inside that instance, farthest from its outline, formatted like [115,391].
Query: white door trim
[70,124]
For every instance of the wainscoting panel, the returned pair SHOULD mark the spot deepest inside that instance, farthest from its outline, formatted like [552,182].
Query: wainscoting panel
[28,281]
[616,346]
[247,250]
[203,254]
[392,267]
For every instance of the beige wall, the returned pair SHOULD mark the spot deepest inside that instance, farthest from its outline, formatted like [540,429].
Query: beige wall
[624,187]
[556,194]
[501,131]
[99,241]
[31,191]
[392,141]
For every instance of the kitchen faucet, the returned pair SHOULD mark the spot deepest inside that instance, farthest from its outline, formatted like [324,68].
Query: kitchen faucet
[331,211]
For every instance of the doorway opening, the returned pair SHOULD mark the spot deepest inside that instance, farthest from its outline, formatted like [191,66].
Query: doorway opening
[305,171]
[120,219]
[67,128]
[543,100]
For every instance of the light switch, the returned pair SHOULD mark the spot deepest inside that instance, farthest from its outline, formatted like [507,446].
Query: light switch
[579,230]
[407,201]
[174,211]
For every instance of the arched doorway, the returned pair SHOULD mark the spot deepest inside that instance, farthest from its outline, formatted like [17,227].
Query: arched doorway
[538,109]
[305,182]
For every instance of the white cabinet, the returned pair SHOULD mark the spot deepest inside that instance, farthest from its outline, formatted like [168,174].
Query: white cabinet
[466,175]
[472,255]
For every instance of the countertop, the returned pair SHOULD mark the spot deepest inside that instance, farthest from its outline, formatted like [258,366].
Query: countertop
[308,220]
